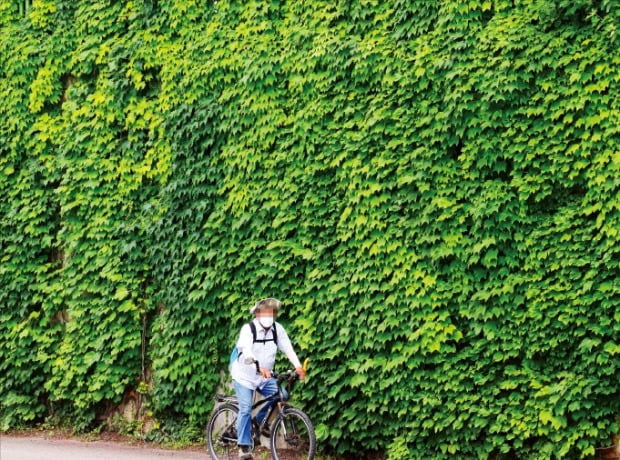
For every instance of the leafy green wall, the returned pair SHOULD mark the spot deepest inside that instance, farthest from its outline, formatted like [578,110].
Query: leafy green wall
[431,186]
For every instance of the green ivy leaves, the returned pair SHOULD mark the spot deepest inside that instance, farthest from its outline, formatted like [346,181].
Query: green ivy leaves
[430,186]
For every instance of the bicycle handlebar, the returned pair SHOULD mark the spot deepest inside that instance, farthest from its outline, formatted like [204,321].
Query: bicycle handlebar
[288,375]
[280,377]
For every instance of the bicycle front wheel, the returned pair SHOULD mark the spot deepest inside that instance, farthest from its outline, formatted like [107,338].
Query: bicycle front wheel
[221,433]
[292,436]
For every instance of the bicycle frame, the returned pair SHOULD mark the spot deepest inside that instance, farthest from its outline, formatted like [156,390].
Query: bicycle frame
[278,398]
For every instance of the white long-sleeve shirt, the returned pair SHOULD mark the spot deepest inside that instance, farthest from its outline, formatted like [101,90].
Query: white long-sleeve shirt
[264,353]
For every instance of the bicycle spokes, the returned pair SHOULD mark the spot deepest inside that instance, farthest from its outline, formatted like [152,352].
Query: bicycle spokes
[229,435]
[293,437]
[222,433]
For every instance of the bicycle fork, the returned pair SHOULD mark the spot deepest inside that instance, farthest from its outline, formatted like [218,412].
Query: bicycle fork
[285,431]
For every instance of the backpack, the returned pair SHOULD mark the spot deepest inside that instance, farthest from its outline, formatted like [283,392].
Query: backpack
[235,354]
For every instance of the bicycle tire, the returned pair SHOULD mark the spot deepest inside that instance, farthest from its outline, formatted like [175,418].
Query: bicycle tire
[292,436]
[221,433]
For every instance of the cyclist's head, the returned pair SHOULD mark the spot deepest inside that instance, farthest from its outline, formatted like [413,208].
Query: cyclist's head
[265,311]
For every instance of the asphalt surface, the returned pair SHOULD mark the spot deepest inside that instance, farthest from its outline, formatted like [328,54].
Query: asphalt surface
[30,448]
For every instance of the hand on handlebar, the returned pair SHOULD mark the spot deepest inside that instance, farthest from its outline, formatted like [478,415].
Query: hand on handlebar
[301,372]
[266,373]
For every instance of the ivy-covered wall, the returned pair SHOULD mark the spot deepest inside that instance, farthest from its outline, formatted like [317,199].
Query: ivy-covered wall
[432,187]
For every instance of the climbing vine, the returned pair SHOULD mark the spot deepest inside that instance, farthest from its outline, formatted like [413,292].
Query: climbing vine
[431,187]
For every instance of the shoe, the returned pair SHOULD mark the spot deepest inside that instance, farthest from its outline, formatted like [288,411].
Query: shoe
[245,453]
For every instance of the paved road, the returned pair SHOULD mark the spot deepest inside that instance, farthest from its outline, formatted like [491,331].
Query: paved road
[29,448]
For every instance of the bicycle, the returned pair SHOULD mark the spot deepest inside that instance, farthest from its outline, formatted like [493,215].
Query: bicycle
[292,434]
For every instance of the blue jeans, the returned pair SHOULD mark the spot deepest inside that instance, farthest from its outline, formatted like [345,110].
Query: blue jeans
[245,397]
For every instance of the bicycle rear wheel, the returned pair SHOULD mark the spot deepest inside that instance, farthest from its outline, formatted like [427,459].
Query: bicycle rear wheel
[292,436]
[221,433]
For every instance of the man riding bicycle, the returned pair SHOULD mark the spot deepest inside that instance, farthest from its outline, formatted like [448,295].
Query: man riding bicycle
[251,371]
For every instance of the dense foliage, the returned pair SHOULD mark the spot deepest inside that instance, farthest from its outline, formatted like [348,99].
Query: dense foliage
[433,187]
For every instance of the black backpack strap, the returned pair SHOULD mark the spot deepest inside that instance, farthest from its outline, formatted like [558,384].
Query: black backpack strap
[253,327]
[274,329]
[275,333]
